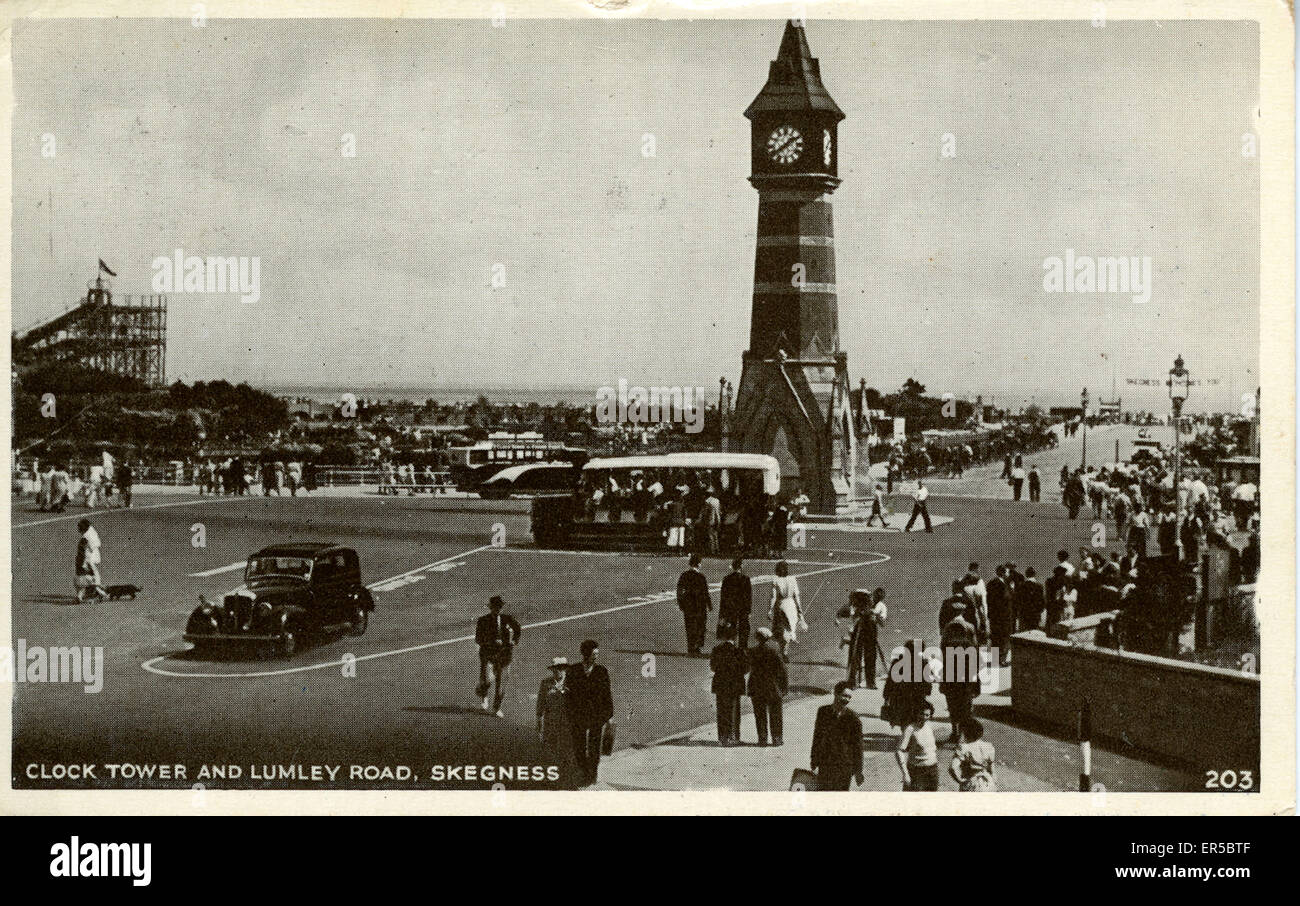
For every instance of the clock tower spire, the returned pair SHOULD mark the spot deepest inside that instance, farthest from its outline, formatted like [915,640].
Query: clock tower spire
[794,399]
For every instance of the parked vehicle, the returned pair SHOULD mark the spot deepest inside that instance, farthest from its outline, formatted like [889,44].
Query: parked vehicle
[291,593]
[576,521]
[531,480]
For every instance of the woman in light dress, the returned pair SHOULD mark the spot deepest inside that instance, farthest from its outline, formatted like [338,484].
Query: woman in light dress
[972,764]
[786,610]
[87,582]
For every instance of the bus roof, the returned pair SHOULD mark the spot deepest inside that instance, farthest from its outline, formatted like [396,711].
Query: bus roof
[768,465]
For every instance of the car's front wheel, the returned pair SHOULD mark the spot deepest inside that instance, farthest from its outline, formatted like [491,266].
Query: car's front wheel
[360,620]
[288,643]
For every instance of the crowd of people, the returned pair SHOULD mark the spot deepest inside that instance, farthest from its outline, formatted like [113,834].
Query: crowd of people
[1150,513]
[235,477]
[950,459]
[691,513]
[55,487]
[836,755]
[395,478]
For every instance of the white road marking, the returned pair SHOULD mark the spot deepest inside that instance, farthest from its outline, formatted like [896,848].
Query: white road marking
[375,586]
[120,511]
[220,569]
[756,580]
[149,665]
[394,584]
[649,555]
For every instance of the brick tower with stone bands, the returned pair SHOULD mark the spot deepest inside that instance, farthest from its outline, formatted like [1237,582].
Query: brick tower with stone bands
[793,400]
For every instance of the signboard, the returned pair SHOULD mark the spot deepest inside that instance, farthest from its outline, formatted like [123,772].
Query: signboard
[900,429]
[1164,382]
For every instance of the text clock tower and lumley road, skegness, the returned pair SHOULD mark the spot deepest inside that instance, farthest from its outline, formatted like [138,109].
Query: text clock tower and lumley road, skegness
[794,397]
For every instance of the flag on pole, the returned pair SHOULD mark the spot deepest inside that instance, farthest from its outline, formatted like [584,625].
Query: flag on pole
[105,268]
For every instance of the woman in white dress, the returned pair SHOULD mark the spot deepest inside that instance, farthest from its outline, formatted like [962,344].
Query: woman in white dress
[786,611]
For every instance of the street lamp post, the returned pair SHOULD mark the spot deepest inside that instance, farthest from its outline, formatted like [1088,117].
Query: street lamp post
[1179,385]
[1083,400]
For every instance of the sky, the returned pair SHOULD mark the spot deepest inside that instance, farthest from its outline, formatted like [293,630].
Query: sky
[518,152]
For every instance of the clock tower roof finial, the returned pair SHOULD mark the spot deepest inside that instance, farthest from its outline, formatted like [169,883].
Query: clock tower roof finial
[794,80]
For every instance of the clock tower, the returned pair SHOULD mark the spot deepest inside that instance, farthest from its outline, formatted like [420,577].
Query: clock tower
[794,400]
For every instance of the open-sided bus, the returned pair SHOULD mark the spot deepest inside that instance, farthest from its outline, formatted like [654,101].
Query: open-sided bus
[629,502]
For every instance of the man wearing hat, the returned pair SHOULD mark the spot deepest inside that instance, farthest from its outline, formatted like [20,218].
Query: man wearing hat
[590,705]
[496,635]
[768,681]
[694,601]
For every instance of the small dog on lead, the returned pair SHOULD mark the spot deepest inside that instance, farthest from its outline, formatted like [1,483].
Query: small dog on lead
[118,592]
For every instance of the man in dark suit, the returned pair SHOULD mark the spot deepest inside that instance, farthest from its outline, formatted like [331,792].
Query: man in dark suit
[961,680]
[695,603]
[495,635]
[1014,577]
[736,603]
[837,743]
[1031,601]
[591,705]
[1001,618]
[768,681]
[728,665]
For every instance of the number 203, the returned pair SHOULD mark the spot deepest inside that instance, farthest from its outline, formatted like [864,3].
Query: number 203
[1229,780]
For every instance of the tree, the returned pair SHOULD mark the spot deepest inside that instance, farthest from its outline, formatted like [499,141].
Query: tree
[913,388]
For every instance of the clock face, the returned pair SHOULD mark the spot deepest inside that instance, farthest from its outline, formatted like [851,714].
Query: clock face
[826,146]
[785,145]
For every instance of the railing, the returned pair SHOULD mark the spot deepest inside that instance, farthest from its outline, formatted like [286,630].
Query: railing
[326,476]
[351,476]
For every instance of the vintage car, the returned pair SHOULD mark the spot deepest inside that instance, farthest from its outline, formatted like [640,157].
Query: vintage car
[291,593]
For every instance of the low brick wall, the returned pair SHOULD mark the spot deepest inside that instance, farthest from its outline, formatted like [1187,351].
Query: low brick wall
[1095,629]
[1205,717]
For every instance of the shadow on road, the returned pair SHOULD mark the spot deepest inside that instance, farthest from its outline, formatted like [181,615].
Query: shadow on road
[446,709]
[51,599]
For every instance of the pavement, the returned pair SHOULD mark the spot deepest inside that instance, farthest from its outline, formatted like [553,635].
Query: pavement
[1027,760]
[694,761]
